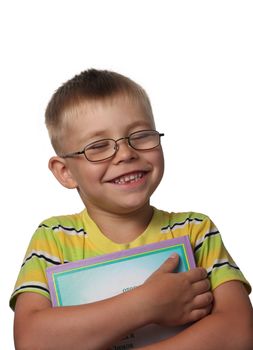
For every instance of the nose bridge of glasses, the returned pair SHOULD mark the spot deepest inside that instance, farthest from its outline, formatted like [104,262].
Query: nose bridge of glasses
[116,147]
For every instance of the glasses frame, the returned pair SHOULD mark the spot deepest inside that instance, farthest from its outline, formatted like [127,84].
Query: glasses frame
[116,147]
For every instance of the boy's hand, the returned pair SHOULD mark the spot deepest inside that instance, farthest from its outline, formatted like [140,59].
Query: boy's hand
[178,298]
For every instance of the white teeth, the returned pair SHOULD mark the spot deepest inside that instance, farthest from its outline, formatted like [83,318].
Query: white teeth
[128,178]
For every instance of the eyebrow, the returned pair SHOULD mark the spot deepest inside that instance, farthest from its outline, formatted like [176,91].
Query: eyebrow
[103,134]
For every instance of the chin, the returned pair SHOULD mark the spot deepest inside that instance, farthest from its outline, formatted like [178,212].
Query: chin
[131,207]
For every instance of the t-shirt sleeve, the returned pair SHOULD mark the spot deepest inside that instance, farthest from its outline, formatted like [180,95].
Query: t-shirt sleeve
[43,251]
[210,253]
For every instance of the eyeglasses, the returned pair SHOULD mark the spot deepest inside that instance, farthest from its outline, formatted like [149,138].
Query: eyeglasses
[100,150]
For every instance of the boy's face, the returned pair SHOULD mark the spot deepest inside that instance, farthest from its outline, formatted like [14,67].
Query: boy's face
[98,183]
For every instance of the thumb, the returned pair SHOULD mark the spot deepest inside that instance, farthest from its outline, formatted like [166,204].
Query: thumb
[170,264]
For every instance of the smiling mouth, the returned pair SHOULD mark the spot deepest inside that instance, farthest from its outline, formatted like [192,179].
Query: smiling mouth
[130,178]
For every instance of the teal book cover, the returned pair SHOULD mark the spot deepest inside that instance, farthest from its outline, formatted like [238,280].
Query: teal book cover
[101,277]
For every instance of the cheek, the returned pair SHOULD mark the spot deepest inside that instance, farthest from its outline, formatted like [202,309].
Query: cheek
[158,161]
[89,174]
[159,166]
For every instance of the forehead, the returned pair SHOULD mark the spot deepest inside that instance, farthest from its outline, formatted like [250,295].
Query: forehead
[117,110]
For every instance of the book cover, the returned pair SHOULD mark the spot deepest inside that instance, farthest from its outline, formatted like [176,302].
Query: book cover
[104,276]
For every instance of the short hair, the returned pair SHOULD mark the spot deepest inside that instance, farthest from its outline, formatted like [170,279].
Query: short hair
[88,86]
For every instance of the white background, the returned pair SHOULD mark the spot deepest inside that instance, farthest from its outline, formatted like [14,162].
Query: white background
[194,58]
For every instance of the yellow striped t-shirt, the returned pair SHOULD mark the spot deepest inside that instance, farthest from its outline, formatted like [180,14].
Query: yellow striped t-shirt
[75,237]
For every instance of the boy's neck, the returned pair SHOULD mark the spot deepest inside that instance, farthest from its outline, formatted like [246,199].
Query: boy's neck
[122,228]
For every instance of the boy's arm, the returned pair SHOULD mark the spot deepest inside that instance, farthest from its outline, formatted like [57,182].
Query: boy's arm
[93,326]
[101,324]
[228,327]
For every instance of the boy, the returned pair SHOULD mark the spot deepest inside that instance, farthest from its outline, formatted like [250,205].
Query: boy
[102,129]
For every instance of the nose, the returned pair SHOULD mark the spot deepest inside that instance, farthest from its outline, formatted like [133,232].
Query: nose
[124,152]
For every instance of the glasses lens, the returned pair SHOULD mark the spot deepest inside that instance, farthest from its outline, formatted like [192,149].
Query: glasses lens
[100,150]
[144,140]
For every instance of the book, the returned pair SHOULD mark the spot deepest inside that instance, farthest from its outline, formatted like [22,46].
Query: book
[97,278]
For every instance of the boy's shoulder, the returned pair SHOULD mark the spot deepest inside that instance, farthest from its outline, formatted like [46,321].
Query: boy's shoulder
[191,215]
[192,223]
[175,218]
[71,223]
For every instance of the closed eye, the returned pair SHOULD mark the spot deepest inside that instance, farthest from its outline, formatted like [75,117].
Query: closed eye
[98,145]
[142,135]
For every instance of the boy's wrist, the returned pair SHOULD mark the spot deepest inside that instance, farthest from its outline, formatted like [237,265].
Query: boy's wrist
[142,305]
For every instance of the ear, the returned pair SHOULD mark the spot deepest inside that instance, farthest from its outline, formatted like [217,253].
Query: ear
[61,171]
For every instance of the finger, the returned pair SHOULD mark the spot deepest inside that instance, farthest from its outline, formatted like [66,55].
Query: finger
[170,264]
[197,274]
[202,286]
[197,314]
[204,300]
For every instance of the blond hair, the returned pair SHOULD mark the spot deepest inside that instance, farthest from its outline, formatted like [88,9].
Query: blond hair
[88,86]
